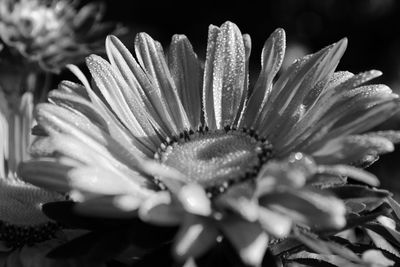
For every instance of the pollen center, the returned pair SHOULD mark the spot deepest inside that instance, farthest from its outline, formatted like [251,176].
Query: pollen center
[218,158]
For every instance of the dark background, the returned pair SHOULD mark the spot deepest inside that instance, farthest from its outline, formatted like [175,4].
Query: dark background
[370,26]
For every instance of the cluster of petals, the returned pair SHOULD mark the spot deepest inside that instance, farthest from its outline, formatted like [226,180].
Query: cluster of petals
[51,34]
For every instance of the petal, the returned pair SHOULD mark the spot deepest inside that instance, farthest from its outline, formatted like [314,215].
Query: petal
[224,75]
[274,223]
[348,109]
[240,199]
[99,180]
[115,90]
[187,74]
[115,127]
[77,103]
[194,199]
[290,95]
[248,238]
[49,174]
[352,172]
[195,237]
[352,149]
[69,87]
[272,57]
[20,122]
[161,209]
[310,207]
[242,106]
[208,102]
[139,84]
[123,207]
[151,57]
[59,120]
[293,171]
[374,256]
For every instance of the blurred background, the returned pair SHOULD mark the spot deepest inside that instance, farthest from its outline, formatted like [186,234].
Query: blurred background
[370,26]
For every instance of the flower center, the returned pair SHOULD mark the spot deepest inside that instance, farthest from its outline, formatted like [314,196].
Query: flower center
[17,236]
[21,219]
[216,159]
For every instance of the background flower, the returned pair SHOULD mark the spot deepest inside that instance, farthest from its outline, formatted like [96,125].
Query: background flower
[51,34]
[22,224]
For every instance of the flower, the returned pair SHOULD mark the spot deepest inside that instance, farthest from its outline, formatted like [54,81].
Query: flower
[175,144]
[22,224]
[51,34]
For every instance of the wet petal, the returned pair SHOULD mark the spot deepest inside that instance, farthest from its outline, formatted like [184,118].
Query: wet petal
[139,83]
[187,74]
[312,70]
[129,110]
[151,57]
[224,75]
[272,58]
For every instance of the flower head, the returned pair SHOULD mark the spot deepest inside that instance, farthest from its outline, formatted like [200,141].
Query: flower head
[22,223]
[51,33]
[173,142]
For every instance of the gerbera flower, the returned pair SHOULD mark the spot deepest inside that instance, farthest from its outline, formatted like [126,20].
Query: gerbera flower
[175,143]
[51,33]
[23,226]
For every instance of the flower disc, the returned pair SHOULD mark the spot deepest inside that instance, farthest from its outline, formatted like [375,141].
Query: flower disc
[215,158]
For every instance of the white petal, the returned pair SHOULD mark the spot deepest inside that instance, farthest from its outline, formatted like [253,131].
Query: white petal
[194,199]
[224,76]
[187,74]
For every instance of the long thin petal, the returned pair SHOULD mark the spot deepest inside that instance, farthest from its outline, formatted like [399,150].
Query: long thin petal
[187,74]
[271,61]
[227,57]
[151,57]
[314,69]
[139,84]
[130,113]
[208,100]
